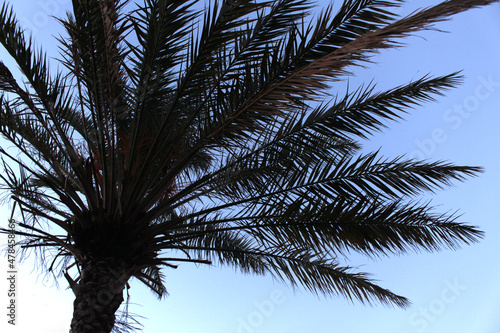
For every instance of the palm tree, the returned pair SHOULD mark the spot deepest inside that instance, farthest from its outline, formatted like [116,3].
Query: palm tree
[174,134]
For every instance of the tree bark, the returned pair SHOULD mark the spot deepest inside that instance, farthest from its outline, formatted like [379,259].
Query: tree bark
[98,295]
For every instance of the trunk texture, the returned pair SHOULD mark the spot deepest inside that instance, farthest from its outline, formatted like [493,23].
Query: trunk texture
[98,295]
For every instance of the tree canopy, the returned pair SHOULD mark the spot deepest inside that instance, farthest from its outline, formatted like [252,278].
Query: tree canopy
[176,134]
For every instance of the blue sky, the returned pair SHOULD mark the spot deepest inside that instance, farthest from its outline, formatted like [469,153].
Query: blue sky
[451,291]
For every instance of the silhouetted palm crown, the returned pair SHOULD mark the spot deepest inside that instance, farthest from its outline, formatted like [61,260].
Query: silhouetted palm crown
[174,135]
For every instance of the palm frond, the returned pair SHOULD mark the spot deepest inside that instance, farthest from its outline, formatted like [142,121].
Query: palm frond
[153,278]
[291,265]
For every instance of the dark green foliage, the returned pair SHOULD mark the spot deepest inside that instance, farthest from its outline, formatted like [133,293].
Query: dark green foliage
[174,134]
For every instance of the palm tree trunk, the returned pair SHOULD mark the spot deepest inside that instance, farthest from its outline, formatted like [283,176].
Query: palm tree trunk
[98,296]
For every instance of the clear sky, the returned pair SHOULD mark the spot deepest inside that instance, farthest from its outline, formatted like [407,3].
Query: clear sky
[451,291]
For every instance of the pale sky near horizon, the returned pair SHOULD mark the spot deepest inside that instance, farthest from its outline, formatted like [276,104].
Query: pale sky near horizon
[451,291]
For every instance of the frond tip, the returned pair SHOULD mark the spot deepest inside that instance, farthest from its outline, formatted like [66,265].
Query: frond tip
[330,279]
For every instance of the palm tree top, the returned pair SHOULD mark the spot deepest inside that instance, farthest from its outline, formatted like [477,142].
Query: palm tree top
[173,134]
